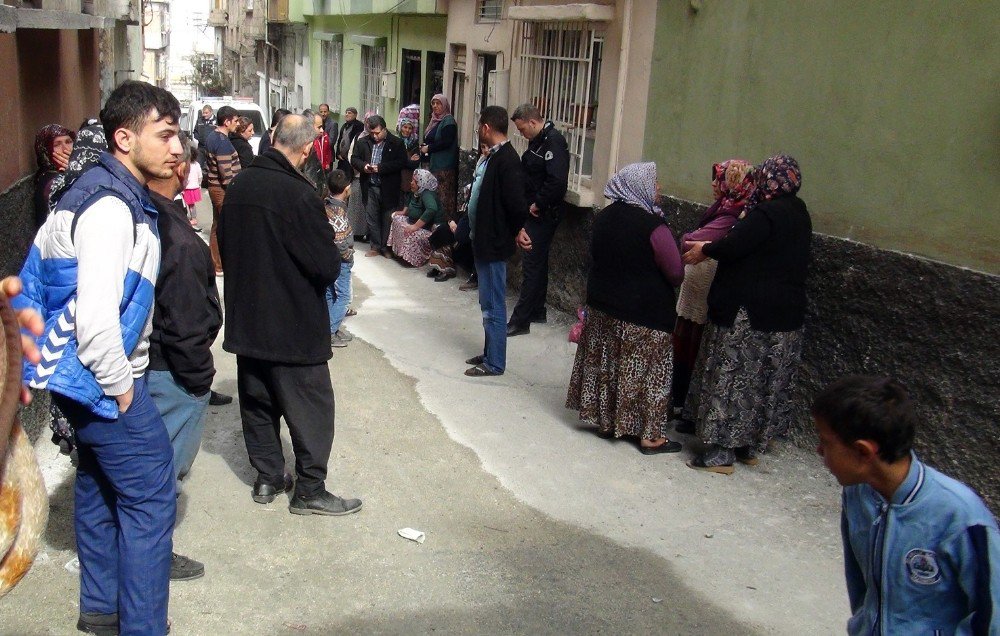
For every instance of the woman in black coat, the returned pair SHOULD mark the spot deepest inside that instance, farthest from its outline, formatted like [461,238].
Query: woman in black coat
[740,397]
[240,139]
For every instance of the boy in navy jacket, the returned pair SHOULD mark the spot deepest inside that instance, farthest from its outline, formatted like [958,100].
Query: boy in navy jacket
[919,546]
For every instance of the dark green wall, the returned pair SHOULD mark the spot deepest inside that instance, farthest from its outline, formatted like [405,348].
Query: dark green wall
[892,109]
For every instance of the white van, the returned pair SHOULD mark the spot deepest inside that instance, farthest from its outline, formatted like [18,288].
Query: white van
[244,107]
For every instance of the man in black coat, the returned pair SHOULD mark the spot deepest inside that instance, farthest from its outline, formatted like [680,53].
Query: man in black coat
[348,133]
[187,317]
[380,157]
[279,252]
[497,211]
[546,166]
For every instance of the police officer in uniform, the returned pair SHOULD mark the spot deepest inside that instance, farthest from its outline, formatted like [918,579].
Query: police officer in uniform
[546,164]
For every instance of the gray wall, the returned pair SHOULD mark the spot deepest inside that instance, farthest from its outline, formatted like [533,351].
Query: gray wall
[17,229]
[934,326]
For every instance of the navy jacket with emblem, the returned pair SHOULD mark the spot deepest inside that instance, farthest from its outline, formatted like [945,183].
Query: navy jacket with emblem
[546,165]
[923,563]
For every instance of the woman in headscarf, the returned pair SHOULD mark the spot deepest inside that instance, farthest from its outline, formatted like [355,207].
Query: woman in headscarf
[732,185]
[406,127]
[409,235]
[90,143]
[621,375]
[356,204]
[441,149]
[53,146]
[740,396]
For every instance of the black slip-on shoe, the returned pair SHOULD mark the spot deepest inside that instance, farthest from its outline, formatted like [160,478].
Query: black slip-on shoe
[325,503]
[102,624]
[481,371]
[185,569]
[668,446]
[475,360]
[518,330]
[264,492]
[685,427]
[220,399]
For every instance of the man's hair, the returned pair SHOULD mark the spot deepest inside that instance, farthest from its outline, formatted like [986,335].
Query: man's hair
[278,114]
[351,109]
[131,106]
[309,114]
[242,125]
[495,117]
[208,106]
[375,121]
[294,131]
[338,182]
[225,113]
[524,112]
[327,106]
[870,408]
[190,150]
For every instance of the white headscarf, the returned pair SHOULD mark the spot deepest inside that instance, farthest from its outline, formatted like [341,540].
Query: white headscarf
[425,181]
[635,184]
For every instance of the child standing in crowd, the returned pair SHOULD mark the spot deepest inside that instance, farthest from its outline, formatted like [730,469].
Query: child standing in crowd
[918,546]
[338,295]
[192,190]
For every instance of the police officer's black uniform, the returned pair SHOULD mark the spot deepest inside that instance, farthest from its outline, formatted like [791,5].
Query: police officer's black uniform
[546,164]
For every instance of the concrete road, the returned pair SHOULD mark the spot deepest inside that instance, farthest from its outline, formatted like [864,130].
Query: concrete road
[534,525]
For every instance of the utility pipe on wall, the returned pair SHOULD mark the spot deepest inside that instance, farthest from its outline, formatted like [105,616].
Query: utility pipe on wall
[623,57]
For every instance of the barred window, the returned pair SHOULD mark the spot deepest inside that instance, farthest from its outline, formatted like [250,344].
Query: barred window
[332,54]
[489,10]
[560,73]
[372,67]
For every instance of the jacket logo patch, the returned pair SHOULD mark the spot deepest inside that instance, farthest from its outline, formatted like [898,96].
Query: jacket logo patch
[549,155]
[922,567]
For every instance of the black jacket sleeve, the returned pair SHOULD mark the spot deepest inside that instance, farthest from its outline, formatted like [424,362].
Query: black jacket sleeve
[310,241]
[744,238]
[393,156]
[362,154]
[511,183]
[556,174]
[190,317]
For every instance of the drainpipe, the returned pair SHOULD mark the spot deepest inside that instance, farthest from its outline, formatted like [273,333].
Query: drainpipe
[267,64]
[616,126]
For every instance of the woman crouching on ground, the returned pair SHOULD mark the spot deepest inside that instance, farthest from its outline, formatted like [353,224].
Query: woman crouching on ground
[409,234]
[621,375]
[740,393]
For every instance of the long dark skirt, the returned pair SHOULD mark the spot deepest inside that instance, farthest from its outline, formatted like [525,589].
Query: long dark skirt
[741,390]
[621,375]
[448,192]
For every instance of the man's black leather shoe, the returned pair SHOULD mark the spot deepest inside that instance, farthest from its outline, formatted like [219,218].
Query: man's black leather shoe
[518,330]
[324,503]
[219,399]
[103,624]
[264,493]
[185,569]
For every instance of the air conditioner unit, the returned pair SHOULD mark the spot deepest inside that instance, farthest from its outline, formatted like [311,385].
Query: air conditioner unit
[497,88]
[389,84]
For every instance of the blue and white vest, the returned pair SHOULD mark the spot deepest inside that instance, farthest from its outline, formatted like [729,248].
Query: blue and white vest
[49,276]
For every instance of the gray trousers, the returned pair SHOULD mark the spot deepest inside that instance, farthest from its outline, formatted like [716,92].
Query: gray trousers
[378,225]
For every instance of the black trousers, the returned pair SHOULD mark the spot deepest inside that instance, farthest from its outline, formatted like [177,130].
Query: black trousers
[303,395]
[378,211]
[535,268]
[459,239]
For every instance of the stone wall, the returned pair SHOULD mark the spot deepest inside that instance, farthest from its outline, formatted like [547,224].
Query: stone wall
[934,326]
[17,230]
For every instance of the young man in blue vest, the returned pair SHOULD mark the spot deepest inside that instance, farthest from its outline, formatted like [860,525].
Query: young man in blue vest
[91,274]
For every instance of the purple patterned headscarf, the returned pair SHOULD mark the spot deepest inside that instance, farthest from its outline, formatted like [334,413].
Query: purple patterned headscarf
[777,177]
[635,184]
[425,181]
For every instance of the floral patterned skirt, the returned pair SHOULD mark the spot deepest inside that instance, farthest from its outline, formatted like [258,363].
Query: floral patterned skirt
[448,192]
[741,390]
[415,248]
[621,377]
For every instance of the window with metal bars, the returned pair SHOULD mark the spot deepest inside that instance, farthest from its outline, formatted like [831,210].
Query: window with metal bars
[331,56]
[489,10]
[372,66]
[560,75]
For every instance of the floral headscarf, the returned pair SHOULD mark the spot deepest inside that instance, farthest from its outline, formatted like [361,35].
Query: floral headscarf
[409,115]
[425,181]
[436,119]
[89,145]
[735,181]
[44,140]
[635,184]
[777,177]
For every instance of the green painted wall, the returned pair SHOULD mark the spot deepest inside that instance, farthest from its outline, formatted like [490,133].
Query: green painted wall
[420,33]
[890,107]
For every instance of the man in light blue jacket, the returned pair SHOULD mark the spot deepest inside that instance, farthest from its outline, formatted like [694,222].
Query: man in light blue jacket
[919,546]
[91,273]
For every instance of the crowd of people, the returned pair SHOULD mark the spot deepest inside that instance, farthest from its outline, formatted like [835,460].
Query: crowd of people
[121,302]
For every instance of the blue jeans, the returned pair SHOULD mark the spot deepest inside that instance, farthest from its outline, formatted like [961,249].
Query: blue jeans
[338,296]
[183,414]
[492,291]
[125,510]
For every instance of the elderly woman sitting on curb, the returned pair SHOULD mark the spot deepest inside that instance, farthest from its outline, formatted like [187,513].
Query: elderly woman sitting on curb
[409,235]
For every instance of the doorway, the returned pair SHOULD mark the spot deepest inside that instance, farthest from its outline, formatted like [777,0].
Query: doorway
[411,78]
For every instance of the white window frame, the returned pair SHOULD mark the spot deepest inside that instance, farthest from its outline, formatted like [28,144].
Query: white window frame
[372,67]
[332,58]
[482,90]
[558,67]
